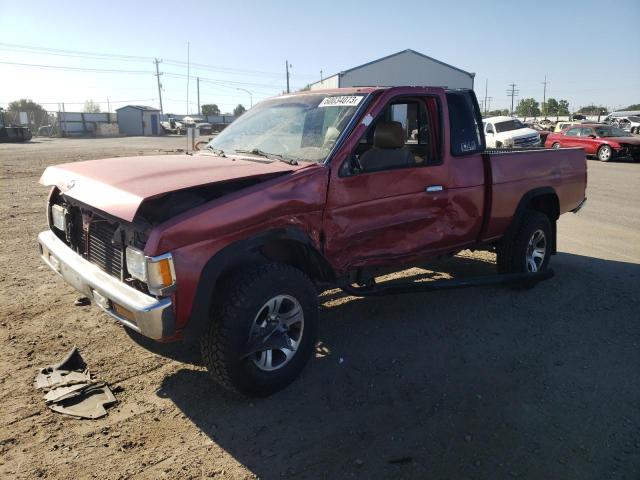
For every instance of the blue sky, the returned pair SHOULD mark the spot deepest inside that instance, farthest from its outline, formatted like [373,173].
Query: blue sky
[588,49]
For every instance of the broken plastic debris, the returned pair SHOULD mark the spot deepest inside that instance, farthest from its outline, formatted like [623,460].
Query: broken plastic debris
[71,390]
[89,403]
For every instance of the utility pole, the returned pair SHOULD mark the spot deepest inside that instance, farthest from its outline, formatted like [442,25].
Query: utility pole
[512,93]
[64,121]
[108,107]
[156,61]
[286,64]
[321,80]
[487,105]
[486,89]
[198,83]
[250,95]
[544,97]
[188,66]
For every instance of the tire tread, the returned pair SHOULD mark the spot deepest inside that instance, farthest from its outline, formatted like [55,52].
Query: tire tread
[224,315]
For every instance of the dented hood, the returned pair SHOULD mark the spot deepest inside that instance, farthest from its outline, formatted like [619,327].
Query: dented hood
[118,186]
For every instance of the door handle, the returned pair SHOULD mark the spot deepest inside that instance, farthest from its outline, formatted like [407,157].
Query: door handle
[434,188]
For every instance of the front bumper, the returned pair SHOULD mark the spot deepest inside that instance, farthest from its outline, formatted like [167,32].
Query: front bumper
[150,316]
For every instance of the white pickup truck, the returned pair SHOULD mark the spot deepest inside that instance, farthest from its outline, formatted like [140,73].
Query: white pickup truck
[509,132]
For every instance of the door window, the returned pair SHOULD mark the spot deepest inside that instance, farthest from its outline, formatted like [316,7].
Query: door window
[403,135]
[572,132]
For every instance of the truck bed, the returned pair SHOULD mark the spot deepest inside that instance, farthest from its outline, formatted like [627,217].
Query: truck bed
[509,173]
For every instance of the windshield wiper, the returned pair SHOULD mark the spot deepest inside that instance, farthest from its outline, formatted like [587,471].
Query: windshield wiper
[272,156]
[217,151]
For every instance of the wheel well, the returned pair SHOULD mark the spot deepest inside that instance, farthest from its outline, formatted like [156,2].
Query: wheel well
[298,255]
[268,247]
[547,203]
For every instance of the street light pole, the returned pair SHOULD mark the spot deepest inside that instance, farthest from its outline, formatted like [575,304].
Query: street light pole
[250,95]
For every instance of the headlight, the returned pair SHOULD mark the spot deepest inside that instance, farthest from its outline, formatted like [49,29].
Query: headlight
[136,264]
[59,217]
[157,272]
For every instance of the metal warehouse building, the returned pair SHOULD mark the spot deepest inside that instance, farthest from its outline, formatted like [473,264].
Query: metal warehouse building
[405,68]
[138,120]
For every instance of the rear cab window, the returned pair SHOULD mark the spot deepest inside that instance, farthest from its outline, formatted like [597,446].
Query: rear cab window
[464,123]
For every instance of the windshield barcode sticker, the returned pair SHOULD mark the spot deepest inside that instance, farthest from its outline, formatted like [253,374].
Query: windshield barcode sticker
[342,101]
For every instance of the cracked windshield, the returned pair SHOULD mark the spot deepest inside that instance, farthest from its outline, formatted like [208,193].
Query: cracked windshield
[297,128]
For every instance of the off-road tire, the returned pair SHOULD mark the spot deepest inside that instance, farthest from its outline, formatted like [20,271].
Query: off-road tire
[234,308]
[512,248]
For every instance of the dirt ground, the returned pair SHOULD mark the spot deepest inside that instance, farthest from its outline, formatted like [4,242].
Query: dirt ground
[480,383]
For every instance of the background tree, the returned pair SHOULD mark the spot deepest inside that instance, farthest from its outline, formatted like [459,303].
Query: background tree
[551,107]
[210,109]
[239,110]
[24,105]
[497,113]
[593,110]
[563,107]
[528,107]
[635,106]
[91,107]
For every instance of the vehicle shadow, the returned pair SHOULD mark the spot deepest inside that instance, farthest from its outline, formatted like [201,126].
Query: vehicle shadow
[474,383]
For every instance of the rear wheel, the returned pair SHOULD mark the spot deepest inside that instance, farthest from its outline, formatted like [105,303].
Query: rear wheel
[263,329]
[605,153]
[528,250]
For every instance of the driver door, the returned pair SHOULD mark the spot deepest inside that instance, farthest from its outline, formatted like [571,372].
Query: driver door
[402,212]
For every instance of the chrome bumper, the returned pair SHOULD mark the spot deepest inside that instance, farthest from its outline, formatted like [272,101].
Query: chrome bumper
[150,316]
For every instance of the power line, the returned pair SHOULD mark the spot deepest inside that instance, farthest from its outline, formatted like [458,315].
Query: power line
[134,58]
[220,82]
[98,101]
[78,69]
[62,52]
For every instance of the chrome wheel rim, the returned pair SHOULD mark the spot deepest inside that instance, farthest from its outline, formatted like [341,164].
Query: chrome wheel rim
[536,251]
[555,145]
[605,153]
[279,322]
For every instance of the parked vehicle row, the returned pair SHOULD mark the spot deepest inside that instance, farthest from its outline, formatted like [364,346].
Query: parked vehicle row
[606,142]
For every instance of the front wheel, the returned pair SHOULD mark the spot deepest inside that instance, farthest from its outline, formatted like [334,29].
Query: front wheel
[263,329]
[555,145]
[605,153]
[528,250]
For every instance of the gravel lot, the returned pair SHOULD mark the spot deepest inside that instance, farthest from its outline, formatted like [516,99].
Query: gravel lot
[481,383]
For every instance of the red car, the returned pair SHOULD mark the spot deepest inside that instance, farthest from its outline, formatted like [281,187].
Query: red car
[604,141]
[304,192]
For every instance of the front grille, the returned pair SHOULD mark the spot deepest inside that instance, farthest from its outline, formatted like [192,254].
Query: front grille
[102,250]
[530,141]
[630,151]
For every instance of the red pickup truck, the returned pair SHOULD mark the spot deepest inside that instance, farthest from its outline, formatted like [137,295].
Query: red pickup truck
[304,192]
